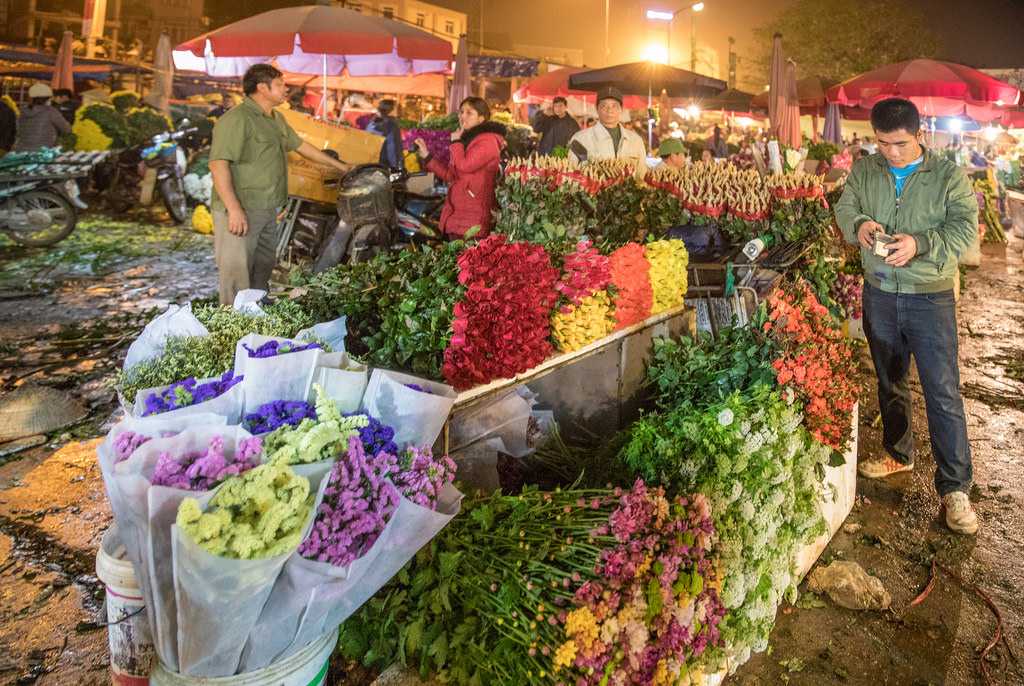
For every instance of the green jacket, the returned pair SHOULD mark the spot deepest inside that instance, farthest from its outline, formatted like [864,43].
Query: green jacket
[938,208]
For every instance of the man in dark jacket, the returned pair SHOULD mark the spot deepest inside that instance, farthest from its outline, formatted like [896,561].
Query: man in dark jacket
[64,101]
[386,125]
[40,124]
[913,214]
[556,126]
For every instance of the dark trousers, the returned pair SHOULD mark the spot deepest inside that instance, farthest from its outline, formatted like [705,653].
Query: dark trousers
[898,326]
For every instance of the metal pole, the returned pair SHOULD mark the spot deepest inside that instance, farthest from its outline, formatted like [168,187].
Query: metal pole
[481,27]
[116,32]
[607,49]
[693,41]
[668,39]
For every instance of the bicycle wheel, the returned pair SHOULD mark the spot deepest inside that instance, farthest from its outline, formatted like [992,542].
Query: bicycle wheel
[41,218]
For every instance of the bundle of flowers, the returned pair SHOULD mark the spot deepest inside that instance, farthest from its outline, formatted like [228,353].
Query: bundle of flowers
[362,493]
[255,515]
[321,437]
[758,468]
[619,202]
[202,471]
[584,272]
[189,392]
[576,326]
[202,220]
[206,356]
[580,587]
[502,324]
[664,209]
[848,292]
[748,206]
[199,188]
[631,280]
[274,415]
[125,444]
[815,361]
[668,260]
[125,100]
[145,122]
[376,436]
[99,126]
[543,200]
[438,141]
[800,213]
[275,348]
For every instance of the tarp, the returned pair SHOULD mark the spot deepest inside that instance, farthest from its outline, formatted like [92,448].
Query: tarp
[429,85]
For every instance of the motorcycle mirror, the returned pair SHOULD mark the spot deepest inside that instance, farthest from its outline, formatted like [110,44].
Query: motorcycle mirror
[184,123]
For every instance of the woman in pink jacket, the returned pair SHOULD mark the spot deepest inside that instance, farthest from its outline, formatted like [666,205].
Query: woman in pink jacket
[472,171]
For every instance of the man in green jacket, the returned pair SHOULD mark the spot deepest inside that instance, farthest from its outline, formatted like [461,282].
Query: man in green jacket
[913,214]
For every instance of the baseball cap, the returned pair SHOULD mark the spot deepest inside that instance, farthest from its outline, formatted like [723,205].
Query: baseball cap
[610,92]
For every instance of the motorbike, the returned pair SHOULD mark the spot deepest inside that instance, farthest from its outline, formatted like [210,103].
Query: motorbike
[166,154]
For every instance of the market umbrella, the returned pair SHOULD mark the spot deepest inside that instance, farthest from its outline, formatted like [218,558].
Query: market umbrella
[647,78]
[460,80]
[163,75]
[542,89]
[63,71]
[833,132]
[789,110]
[732,100]
[778,75]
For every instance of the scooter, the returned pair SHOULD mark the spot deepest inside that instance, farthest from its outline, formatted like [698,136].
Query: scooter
[38,212]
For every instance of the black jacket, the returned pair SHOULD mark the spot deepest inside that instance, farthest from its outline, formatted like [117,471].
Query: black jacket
[391,152]
[555,131]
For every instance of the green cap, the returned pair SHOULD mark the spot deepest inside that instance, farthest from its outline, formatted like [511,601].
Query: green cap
[669,146]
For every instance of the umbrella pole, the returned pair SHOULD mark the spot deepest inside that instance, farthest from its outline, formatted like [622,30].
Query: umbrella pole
[650,130]
[323,92]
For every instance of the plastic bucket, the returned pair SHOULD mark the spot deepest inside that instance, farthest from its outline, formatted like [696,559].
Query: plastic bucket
[308,667]
[131,646]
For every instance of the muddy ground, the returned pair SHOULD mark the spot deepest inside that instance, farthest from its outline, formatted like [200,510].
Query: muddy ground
[66,314]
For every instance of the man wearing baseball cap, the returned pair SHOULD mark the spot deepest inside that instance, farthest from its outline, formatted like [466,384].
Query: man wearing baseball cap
[555,125]
[40,123]
[673,153]
[607,139]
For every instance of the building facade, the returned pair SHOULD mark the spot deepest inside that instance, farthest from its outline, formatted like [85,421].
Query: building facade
[438,20]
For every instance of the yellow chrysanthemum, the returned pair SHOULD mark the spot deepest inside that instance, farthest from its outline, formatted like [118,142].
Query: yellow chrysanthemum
[9,101]
[668,259]
[89,136]
[565,654]
[202,220]
[582,324]
[581,625]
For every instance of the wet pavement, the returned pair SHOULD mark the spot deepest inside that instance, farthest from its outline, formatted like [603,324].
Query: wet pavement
[53,509]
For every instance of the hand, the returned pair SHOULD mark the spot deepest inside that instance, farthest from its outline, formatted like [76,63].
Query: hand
[457,135]
[421,147]
[902,250]
[866,233]
[238,224]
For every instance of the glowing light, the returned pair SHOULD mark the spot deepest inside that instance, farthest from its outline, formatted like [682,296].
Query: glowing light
[659,15]
[991,133]
[656,52]
[697,6]
[693,111]
[955,126]
[745,122]
[999,102]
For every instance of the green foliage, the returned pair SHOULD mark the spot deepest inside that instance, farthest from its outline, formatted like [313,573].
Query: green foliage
[144,123]
[532,210]
[809,29]
[620,216]
[124,101]
[663,210]
[440,122]
[822,150]
[800,220]
[112,122]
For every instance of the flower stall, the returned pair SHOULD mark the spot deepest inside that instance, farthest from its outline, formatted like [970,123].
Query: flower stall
[303,446]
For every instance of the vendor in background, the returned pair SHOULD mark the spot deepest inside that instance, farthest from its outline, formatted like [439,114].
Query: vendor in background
[673,154]
[608,139]
[387,126]
[472,170]
[555,125]
[40,124]
[226,103]
[64,101]
[717,145]
[250,181]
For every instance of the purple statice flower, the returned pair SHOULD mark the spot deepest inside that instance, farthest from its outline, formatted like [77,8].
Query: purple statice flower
[202,471]
[376,436]
[421,478]
[418,388]
[274,415]
[125,444]
[275,348]
[357,504]
[189,392]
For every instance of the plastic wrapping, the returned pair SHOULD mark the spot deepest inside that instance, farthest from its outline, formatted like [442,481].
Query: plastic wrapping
[312,598]
[247,301]
[147,513]
[506,417]
[282,377]
[332,333]
[219,599]
[343,380]
[416,416]
[174,321]
[228,404]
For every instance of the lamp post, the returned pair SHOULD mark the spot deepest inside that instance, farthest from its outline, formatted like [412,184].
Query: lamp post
[670,17]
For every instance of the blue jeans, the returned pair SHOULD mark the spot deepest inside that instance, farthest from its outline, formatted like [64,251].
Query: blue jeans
[897,326]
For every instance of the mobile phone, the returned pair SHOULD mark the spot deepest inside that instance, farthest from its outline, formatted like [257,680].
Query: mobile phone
[882,242]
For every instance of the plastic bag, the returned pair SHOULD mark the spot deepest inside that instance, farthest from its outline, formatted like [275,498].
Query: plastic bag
[312,598]
[332,333]
[145,525]
[282,377]
[175,321]
[219,599]
[247,301]
[506,417]
[343,380]
[417,416]
[228,405]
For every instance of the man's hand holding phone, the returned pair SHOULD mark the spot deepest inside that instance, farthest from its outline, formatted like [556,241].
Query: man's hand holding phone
[866,233]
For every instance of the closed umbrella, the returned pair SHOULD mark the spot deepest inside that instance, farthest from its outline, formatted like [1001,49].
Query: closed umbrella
[163,75]
[63,70]
[778,75]
[460,80]
[789,114]
[833,128]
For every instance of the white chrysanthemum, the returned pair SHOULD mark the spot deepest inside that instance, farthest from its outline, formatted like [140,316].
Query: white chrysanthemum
[726,417]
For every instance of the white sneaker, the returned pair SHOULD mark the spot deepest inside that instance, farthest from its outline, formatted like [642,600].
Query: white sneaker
[960,516]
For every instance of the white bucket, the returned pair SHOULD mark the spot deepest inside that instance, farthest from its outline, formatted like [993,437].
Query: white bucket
[308,667]
[131,646]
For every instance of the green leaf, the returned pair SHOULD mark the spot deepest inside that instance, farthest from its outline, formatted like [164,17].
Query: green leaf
[836,459]
[449,562]
[439,650]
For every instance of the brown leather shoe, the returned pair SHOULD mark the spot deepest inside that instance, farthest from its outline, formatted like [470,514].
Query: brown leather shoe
[881,467]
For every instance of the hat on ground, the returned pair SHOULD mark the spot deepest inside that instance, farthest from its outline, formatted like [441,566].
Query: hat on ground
[40,90]
[670,146]
[609,93]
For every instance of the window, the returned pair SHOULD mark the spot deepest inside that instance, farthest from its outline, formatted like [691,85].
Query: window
[388,12]
[449,27]
[421,19]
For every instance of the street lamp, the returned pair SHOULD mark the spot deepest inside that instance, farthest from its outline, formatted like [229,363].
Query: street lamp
[670,17]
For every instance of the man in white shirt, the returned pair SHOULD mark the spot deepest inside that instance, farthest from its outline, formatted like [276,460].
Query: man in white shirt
[607,139]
